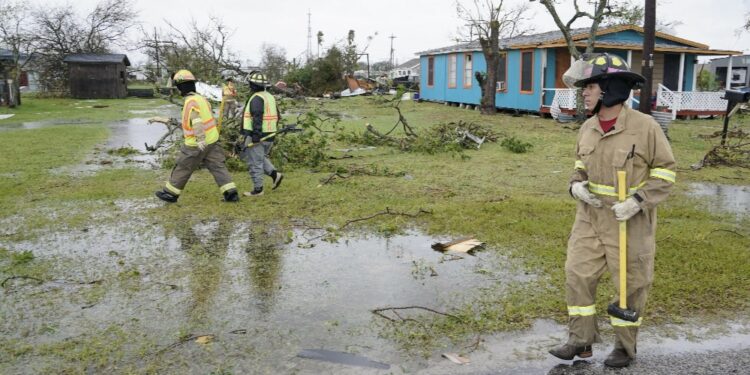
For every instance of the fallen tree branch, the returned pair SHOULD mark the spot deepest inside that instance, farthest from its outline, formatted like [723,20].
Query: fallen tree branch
[331,177]
[40,281]
[724,230]
[386,212]
[379,312]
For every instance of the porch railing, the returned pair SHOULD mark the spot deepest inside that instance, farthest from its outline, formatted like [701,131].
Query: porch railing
[699,101]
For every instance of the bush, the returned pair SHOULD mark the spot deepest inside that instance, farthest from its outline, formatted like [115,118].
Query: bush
[516,145]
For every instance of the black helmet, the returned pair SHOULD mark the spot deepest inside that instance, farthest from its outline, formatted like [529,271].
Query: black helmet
[257,78]
[600,67]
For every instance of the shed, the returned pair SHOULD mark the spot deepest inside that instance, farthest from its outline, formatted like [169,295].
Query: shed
[98,76]
[733,70]
[531,67]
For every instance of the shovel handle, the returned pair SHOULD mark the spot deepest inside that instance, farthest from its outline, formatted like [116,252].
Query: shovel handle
[621,192]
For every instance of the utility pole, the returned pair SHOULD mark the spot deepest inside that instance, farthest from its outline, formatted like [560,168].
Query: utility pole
[156,44]
[391,60]
[649,31]
[309,36]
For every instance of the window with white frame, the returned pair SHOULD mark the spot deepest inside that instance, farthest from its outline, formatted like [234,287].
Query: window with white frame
[468,70]
[452,70]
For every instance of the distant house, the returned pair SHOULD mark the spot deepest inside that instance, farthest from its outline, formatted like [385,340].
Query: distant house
[531,66]
[27,80]
[731,72]
[98,76]
[406,72]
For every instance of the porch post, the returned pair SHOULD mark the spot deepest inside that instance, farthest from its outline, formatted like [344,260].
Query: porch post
[682,72]
[695,72]
[630,64]
[729,73]
[543,81]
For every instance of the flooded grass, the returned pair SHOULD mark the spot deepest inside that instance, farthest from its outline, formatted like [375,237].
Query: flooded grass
[111,279]
[112,292]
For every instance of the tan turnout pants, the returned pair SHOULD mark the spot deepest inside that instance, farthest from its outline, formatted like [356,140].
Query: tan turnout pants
[190,159]
[593,248]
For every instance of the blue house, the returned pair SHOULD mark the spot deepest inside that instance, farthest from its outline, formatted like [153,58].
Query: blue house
[531,67]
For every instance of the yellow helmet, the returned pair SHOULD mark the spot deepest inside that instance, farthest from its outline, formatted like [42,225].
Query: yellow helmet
[183,76]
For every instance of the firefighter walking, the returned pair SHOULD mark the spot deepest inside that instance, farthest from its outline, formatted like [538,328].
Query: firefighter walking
[260,120]
[229,97]
[201,146]
[616,138]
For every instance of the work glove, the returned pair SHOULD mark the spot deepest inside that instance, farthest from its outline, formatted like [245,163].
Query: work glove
[580,191]
[202,145]
[626,209]
[255,137]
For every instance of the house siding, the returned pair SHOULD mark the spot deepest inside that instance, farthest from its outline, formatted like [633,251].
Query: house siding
[546,70]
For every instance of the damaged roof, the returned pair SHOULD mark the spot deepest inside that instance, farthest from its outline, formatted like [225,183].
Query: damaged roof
[91,58]
[551,39]
[506,43]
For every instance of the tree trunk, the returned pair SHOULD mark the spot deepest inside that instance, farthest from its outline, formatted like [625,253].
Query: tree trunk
[490,49]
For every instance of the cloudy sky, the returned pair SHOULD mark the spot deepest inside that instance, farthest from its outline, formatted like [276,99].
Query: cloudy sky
[417,24]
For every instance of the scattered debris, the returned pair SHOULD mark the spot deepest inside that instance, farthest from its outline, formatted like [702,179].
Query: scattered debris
[394,310]
[461,245]
[3,117]
[205,339]
[457,359]
[387,211]
[733,152]
[341,358]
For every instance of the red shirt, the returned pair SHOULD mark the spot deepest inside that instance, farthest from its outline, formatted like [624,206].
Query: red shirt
[607,125]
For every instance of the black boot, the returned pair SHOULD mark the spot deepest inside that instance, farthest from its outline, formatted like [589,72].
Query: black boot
[618,358]
[255,193]
[231,196]
[567,351]
[277,177]
[166,196]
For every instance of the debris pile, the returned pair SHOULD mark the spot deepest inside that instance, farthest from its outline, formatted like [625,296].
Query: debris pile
[735,152]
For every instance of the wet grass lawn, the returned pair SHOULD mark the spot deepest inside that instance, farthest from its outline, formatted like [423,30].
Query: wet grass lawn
[517,203]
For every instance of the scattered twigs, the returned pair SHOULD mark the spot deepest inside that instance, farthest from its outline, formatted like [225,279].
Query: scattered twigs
[387,211]
[39,281]
[332,177]
[724,230]
[380,312]
[42,281]
[178,343]
[475,345]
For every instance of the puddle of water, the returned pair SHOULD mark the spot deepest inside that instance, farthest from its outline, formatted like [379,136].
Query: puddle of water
[723,198]
[213,278]
[42,124]
[264,302]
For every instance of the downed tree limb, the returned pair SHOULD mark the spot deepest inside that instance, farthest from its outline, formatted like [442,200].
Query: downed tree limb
[386,212]
[42,281]
[379,312]
[171,124]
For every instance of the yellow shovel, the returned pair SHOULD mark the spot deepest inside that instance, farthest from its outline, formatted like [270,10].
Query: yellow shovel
[621,311]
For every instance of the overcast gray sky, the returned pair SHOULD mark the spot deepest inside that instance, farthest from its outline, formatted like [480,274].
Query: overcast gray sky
[417,24]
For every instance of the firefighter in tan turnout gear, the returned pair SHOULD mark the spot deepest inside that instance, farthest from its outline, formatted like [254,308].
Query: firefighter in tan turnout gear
[616,138]
[201,146]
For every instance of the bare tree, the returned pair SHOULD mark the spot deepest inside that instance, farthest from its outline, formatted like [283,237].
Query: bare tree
[490,22]
[202,49]
[17,37]
[628,13]
[60,31]
[273,61]
[601,10]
